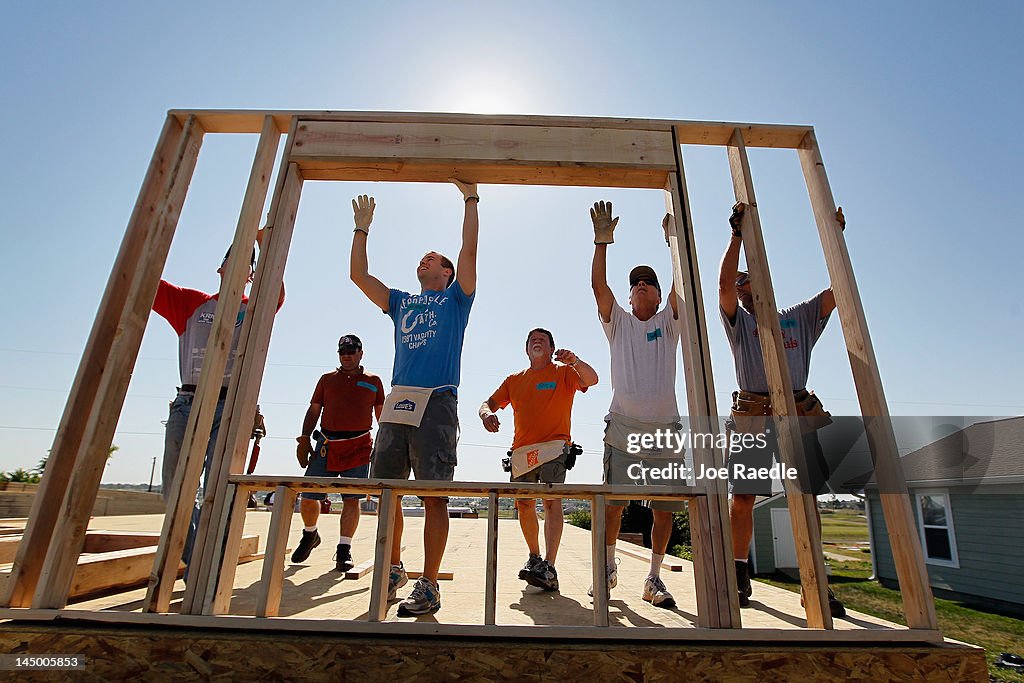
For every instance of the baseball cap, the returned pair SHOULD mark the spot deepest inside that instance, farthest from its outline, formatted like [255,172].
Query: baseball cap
[252,260]
[350,342]
[644,273]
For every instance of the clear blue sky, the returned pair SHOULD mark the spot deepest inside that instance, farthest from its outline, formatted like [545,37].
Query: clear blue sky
[916,107]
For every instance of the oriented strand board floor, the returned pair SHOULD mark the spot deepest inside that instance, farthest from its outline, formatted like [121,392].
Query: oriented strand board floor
[315,590]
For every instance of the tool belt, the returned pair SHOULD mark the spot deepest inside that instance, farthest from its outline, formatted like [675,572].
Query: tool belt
[191,389]
[520,458]
[345,454]
[751,410]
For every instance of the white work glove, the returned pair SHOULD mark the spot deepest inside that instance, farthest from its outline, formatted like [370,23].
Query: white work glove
[604,224]
[362,210]
[468,190]
[667,226]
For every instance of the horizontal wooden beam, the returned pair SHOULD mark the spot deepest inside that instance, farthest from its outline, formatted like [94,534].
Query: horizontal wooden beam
[406,487]
[688,132]
[858,636]
[483,173]
[434,152]
[526,145]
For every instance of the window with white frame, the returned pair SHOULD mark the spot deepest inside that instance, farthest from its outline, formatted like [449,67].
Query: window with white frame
[935,522]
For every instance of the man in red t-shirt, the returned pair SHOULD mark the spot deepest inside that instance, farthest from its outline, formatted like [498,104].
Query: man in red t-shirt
[190,313]
[345,402]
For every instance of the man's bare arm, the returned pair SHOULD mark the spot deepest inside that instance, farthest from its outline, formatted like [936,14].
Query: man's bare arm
[828,297]
[359,269]
[587,374]
[487,416]
[309,421]
[465,272]
[667,226]
[305,446]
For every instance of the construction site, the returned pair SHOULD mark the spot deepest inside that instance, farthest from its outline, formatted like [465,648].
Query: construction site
[110,588]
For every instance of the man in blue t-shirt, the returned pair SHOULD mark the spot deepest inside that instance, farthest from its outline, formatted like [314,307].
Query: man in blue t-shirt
[420,425]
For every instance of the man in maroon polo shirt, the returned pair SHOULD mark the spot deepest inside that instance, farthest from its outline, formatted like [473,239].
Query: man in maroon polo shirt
[344,401]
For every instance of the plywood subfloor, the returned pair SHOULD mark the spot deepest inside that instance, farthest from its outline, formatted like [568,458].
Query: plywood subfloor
[315,590]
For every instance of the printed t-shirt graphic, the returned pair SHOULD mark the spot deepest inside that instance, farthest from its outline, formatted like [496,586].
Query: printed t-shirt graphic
[429,333]
[801,328]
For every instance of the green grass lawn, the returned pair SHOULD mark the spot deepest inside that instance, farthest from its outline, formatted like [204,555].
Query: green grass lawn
[995,633]
[844,526]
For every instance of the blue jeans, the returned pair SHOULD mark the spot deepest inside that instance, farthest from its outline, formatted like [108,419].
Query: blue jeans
[177,420]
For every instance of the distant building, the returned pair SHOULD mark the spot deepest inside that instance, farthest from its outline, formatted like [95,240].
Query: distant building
[967,492]
[772,547]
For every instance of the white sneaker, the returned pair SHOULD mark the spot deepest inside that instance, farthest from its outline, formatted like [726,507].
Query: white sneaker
[396,579]
[613,578]
[656,593]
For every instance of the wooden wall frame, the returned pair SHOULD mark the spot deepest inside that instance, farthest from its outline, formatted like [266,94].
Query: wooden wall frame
[423,147]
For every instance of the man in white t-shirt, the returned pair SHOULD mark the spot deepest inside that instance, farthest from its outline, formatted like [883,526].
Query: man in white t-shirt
[643,345]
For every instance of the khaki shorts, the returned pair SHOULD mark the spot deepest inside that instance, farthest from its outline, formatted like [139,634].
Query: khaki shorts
[616,473]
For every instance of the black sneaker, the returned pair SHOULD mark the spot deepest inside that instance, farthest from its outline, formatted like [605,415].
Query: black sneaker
[835,606]
[531,565]
[543,576]
[743,583]
[343,558]
[310,540]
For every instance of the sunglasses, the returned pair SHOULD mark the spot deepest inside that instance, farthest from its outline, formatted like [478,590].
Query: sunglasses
[742,280]
[644,280]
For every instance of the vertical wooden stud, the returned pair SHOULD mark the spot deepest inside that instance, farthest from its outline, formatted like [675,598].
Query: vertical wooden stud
[802,511]
[491,584]
[268,600]
[918,602]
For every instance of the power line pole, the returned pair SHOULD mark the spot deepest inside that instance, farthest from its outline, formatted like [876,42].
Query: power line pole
[152,471]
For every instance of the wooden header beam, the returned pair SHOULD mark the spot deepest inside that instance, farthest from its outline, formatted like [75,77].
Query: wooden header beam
[493,154]
[688,132]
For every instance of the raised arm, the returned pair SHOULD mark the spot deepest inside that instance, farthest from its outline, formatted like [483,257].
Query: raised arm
[587,374]
[730,264]
[828,297]
[259,243]
[465,269]
[667,225]
[359,269]
[604,229]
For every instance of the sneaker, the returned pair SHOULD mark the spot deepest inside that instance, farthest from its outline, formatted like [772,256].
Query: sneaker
[543,576]
[656,593]
[743,583]
[613,578]
[343,558]
[310,540]
[396,579]
[835,606]
[424,599]
[532,563]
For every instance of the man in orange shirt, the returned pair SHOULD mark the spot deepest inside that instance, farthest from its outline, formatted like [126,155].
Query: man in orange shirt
[541,397]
